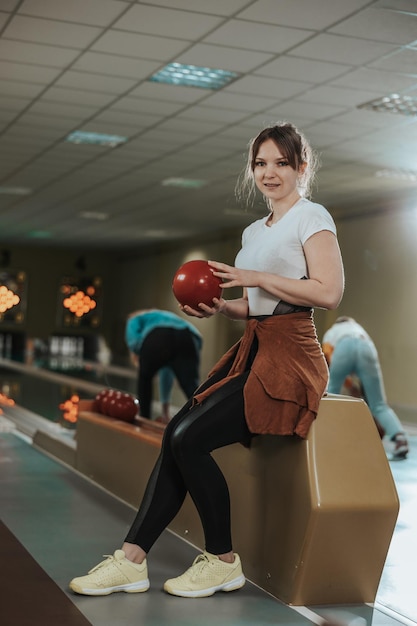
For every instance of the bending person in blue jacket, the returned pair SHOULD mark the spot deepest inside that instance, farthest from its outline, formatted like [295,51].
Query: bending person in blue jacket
[163,342]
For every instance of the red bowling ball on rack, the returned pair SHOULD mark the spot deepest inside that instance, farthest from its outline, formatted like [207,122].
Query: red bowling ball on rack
[117,404]
[194,283]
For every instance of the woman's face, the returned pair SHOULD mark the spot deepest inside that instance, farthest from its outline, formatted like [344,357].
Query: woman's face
[274,176]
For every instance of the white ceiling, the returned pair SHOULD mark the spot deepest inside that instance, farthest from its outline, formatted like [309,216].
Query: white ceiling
[84,65]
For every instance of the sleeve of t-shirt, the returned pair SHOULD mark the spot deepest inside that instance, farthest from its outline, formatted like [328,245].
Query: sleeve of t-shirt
[316,219]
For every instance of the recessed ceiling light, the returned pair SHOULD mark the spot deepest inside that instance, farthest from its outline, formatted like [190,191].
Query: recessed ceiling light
[94,215]
[15,191]
[185,183]
[394,103]
[193,76]
[97,139]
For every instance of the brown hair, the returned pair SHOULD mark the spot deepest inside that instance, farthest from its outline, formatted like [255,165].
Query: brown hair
[294,147]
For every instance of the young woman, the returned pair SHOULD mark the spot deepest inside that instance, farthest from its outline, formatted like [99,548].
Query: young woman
[271,381]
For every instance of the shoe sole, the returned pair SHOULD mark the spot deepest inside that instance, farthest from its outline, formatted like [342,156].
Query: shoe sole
[401,452]
[232,585]
[400,456]
[131,588]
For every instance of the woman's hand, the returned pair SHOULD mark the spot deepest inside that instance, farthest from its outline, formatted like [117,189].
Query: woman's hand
[204,310]
[233,277]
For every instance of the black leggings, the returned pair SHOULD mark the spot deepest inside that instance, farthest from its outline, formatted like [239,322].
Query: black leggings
[185,464]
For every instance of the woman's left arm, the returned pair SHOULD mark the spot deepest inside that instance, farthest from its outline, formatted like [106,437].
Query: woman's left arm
[323,288]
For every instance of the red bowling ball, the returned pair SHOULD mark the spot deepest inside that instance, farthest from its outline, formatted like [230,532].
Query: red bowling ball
[99,399]
[194,283]
[106,399]
[124,407]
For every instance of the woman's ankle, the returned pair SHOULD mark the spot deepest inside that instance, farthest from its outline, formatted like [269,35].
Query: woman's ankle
[134,553]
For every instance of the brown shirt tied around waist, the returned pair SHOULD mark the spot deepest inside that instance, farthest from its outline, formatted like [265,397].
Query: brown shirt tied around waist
[287,378]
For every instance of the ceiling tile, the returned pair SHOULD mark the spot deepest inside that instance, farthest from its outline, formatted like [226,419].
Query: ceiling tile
[83,98]
[260,37]
[93,82]
[212,114]
[9,5]
[279,89]
[52,56]
[216,7]
[404,61]
[138,45]
[314,14]
[146,105]
[42,118]
[307,110]
[10,103]
[294,68]
[70,110]
[3,18]
[50,32]
[342,49]
[96,62]
[376,80]
[339,96]
[24,72]
[224,58]
[379,24]
[167,22]
[25,90]
[95,12]
[239,102]
[135,120]
[170,93]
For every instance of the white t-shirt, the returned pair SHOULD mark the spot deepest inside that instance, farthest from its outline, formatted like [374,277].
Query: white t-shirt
[349,328]
[278,249]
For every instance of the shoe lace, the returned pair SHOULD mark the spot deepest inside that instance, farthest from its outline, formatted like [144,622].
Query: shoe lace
[109,557]
[199,563]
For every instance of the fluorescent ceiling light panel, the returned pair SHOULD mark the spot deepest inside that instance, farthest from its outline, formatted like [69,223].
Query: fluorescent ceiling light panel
[394,103]
[97,139]
[193,76]
[184,183]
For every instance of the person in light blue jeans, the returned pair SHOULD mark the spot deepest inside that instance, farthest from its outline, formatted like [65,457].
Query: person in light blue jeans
[350,350]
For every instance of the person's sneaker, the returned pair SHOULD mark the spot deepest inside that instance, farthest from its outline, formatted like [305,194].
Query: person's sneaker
[400,446]
[207,575]
[116,573]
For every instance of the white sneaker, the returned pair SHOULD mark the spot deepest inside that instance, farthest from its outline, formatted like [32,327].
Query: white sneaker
[116,573]
[207,575]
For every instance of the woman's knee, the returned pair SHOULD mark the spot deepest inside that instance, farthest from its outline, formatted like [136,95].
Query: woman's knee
[182,443]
